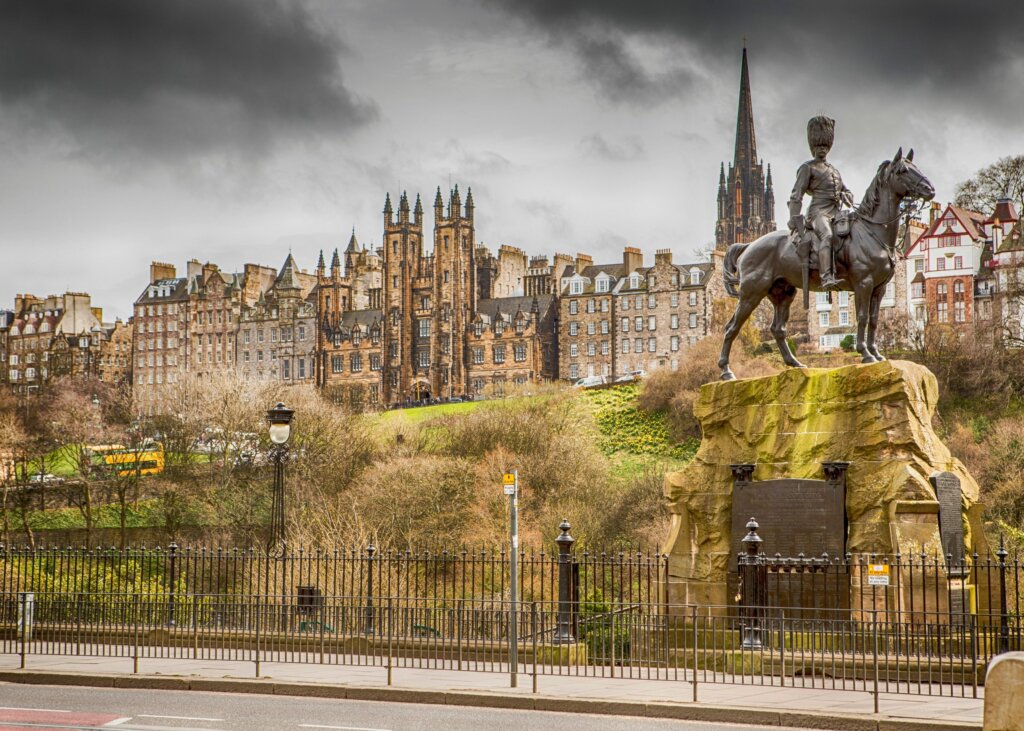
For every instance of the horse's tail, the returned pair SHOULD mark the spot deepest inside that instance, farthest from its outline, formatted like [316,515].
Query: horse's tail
[731,273]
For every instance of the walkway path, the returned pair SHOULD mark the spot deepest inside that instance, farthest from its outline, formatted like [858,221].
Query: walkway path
[760,704]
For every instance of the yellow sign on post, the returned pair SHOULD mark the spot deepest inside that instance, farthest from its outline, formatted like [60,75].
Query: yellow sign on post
[878,574]
[509,478]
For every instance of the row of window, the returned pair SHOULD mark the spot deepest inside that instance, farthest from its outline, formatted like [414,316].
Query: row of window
[159,360]
[593,304]
[825,321]
[285,334]
[355,363]
[498,353]
[151,310]
[940,263]
[638,324]
[499,327]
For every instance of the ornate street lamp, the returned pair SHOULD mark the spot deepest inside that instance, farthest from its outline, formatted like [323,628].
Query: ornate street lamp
[280,419]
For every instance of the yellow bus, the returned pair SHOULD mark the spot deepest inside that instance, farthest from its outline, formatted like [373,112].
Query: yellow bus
[121,461]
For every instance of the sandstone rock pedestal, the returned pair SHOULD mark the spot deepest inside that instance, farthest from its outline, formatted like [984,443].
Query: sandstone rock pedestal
[877,417]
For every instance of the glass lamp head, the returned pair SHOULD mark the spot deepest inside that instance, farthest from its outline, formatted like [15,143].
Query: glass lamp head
[280,420]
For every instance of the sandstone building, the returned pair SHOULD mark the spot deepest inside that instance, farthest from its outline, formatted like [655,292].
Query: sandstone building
[616,319]
[58,336]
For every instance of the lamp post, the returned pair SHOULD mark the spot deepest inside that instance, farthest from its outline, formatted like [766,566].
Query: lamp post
[280,419]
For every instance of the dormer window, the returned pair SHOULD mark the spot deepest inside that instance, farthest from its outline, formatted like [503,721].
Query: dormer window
[478,329]
[576,287]
[601,284]
[634,281]
[695,276]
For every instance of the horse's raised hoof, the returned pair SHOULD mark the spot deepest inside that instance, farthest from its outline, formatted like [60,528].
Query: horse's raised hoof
[795,364]
[878,356]
[728,375]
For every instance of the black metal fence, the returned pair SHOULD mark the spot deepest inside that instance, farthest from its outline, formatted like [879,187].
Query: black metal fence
[903,589]
[651,641]
[619,576]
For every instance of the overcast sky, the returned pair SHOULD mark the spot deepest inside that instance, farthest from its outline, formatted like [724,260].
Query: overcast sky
[234,130]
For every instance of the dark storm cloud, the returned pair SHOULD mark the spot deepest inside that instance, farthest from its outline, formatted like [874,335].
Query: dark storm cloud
[596,145]
[968,47]
[172,78]
[619,74]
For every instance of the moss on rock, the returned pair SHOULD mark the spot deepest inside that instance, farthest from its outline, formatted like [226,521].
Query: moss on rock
[877,417]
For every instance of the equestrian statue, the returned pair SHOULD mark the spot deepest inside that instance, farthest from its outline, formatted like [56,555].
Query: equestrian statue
[830,248]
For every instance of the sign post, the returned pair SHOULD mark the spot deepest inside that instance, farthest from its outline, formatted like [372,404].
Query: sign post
[878,574]
[510,482]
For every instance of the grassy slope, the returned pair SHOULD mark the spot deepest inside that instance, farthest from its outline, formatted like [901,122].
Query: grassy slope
[634,441]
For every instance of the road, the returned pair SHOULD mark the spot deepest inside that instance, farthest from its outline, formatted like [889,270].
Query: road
[60,708]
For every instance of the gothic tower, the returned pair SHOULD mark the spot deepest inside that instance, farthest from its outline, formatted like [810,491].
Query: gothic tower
[454,292]
[403,250]
[746,201]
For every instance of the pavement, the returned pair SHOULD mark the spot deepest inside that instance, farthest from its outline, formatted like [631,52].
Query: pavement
[725,703]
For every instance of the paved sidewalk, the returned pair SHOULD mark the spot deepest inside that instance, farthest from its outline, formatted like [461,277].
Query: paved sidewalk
[841,709]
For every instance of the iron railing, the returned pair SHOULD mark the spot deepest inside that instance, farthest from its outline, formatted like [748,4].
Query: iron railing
[652,641]
[621,576]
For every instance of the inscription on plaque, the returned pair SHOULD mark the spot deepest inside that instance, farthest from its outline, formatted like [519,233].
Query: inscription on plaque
[796,516]
[951,522]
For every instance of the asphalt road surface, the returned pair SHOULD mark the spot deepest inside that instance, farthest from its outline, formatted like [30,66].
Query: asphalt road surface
[61,708]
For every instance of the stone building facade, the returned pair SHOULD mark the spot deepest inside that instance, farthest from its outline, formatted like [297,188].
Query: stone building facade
[617,319]
[52,337]
[511,343]
[187,326]
[276,338]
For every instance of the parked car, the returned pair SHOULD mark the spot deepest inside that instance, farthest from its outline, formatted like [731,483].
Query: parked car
[45,479]
[590,382]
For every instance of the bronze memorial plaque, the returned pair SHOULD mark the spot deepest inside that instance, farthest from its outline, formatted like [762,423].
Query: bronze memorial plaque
[951,522]
[795,516]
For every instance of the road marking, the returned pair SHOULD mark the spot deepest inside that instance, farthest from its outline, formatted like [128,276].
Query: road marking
[179,718]
[119,721]
[40,710]
[342,728]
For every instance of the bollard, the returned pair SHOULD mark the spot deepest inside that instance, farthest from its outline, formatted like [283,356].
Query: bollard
[1004,626]
[173,560]
[752,596]
[563,634]
[370,551]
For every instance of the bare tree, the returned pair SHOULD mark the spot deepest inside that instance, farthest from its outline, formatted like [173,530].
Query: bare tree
[1003,178]
[75,418]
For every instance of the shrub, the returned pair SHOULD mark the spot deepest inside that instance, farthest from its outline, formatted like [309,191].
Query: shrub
[848,343]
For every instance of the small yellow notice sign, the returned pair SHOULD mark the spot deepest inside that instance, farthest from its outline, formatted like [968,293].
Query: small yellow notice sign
[510,482]
[878,574]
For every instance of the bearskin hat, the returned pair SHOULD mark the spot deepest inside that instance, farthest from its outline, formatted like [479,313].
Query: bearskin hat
[821,131]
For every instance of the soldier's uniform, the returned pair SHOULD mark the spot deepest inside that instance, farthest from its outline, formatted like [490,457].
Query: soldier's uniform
[821,180]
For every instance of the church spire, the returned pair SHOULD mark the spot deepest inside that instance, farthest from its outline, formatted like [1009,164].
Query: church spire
[746,201]
[746,145]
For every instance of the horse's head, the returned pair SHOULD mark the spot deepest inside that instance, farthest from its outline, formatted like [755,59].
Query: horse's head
[906,180]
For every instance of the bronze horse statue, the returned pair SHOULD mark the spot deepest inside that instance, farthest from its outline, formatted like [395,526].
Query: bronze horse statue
[771,266]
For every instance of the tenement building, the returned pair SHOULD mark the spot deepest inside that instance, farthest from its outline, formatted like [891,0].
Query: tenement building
[621,318]
[276,337]
[59,336]
[186,326]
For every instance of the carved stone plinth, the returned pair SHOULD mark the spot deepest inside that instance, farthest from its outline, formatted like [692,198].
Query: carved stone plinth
[877,417]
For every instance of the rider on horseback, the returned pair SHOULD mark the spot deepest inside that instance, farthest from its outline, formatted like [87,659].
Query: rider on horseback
[822,181]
